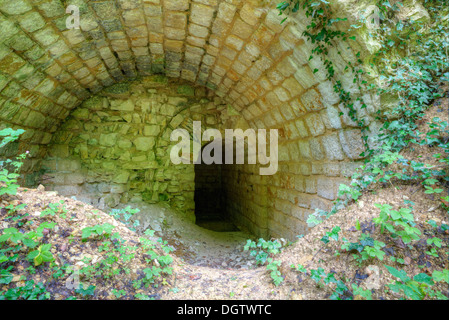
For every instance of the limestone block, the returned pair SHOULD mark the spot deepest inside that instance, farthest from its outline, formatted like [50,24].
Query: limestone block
[124,144]
[273,21]
[108,140]
[332,147]
[68,190]
[241,29]
[287,67]
[74,178]
[121,177]
[352,143]
[315,124]
[133,17]
[152,130]
[311,100]
[144,144]
[333,116]
[46,36]
[328,94]
[177,5]
[304,150]
[316,149]
[226,11]
[326,188]
[31,21]
[201,14]
[126,105]
[305,77]
[293,86]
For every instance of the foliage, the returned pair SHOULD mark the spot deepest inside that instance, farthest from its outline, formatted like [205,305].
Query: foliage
[30,291]
[391,219]
[125,215]
[417,288]
[265,255]
[9,168]
[103,230]
[41,255]
[366,248]
[54,208]
[266,250]
[331,235]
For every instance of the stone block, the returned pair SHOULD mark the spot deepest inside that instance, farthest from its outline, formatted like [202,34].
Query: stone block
[144,144]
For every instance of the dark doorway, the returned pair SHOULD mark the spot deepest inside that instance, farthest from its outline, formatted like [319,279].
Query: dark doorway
[210,199]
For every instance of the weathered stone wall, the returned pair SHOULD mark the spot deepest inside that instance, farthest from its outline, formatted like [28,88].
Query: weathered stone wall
[247,198]
[115,147]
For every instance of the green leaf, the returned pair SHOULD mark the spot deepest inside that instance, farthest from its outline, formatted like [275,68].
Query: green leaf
[398,274]
[439,276]
[424,278]
[38,260]
[33,254]
[47,256]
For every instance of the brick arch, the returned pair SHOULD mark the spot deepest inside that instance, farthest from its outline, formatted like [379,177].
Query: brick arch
[238,49]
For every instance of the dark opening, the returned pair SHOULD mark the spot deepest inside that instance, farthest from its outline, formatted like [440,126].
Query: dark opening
[210,199]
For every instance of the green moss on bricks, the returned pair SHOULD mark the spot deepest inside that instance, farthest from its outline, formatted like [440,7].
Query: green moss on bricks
[120,88]
[8,110]
[61,23]
[159,79]
[10,150]
[186,90]
[147,196]
[32,179]
[211,86]
[157,68]
[232,111]
[94,103]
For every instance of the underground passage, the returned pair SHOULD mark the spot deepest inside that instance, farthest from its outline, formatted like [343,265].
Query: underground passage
[210,199]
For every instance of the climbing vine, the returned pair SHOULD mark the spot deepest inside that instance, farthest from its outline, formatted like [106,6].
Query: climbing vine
[323,34]
[412,63]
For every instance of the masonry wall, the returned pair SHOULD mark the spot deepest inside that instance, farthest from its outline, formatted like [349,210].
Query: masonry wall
[246,194]
[115,148]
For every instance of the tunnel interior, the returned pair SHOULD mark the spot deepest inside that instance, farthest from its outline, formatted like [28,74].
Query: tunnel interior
[210,199]
[212,205]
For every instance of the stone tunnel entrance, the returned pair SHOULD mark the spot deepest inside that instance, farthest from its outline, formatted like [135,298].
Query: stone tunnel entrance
[99,109]
[211,202]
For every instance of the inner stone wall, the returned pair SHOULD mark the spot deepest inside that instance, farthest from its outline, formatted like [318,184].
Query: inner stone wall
[115,147]
[246,193]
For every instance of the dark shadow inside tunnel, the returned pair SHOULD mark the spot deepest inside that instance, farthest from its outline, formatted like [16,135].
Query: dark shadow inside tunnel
[210,198]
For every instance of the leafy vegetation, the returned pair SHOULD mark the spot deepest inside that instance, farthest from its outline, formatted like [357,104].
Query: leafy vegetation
[26,243]
[264,252]
[412,64]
